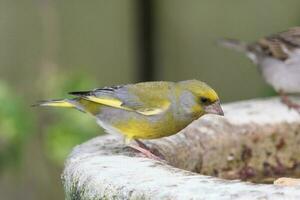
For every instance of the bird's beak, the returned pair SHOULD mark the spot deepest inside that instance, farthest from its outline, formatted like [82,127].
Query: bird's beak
[214,108]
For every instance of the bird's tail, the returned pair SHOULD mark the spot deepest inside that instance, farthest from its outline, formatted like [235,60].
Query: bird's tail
[234,44]
[80,104]
[66,103]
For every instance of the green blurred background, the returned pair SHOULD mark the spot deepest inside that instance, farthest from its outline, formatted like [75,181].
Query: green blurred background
[50,47]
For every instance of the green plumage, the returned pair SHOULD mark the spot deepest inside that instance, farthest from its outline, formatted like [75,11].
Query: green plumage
[146,110]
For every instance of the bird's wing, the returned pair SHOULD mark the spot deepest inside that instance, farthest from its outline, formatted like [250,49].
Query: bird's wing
[279,45]
[141,98]
[291,37]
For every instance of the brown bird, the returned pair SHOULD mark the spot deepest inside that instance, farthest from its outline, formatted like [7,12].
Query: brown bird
[278,59]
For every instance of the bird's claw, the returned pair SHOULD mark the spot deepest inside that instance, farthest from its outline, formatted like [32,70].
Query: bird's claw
[290,104]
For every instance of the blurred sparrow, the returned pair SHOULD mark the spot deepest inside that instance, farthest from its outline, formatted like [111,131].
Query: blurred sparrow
[278,59]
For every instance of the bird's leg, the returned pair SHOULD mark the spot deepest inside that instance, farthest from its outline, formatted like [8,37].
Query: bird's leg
[141,147]
[286,100]
[141,144]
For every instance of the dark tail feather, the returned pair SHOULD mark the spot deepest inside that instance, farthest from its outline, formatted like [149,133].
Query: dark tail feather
[81,93]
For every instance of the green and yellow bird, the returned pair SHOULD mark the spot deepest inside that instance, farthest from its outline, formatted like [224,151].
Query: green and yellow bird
[147,110]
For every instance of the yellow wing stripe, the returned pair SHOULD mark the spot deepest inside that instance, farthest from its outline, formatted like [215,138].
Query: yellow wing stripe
[118,104]
[62,103]
[154,111]
[150,111]
[109,102]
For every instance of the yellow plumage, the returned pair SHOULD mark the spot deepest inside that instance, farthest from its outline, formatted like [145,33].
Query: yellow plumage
[146,110]
[57,103]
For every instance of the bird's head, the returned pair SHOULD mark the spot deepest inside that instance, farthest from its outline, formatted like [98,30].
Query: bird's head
[205,99]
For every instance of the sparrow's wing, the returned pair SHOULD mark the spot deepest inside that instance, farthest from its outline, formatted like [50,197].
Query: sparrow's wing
[145,98]
[291,37]
[279,45]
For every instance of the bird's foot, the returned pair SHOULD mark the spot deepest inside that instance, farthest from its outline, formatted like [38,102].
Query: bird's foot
[290,104]
[145,151]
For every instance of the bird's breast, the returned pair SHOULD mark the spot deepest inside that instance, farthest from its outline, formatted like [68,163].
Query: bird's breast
[150,127]
[282,75]
[135,125]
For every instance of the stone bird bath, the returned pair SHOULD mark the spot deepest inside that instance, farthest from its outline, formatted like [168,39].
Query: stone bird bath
[231,157]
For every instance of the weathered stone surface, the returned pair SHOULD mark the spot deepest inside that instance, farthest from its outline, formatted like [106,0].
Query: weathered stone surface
[254,139]
[287,181]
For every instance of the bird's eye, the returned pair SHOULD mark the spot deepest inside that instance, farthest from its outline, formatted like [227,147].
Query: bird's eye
[204,100]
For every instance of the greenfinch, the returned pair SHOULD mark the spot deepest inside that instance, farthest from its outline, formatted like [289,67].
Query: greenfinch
[147,110]
[278,60]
